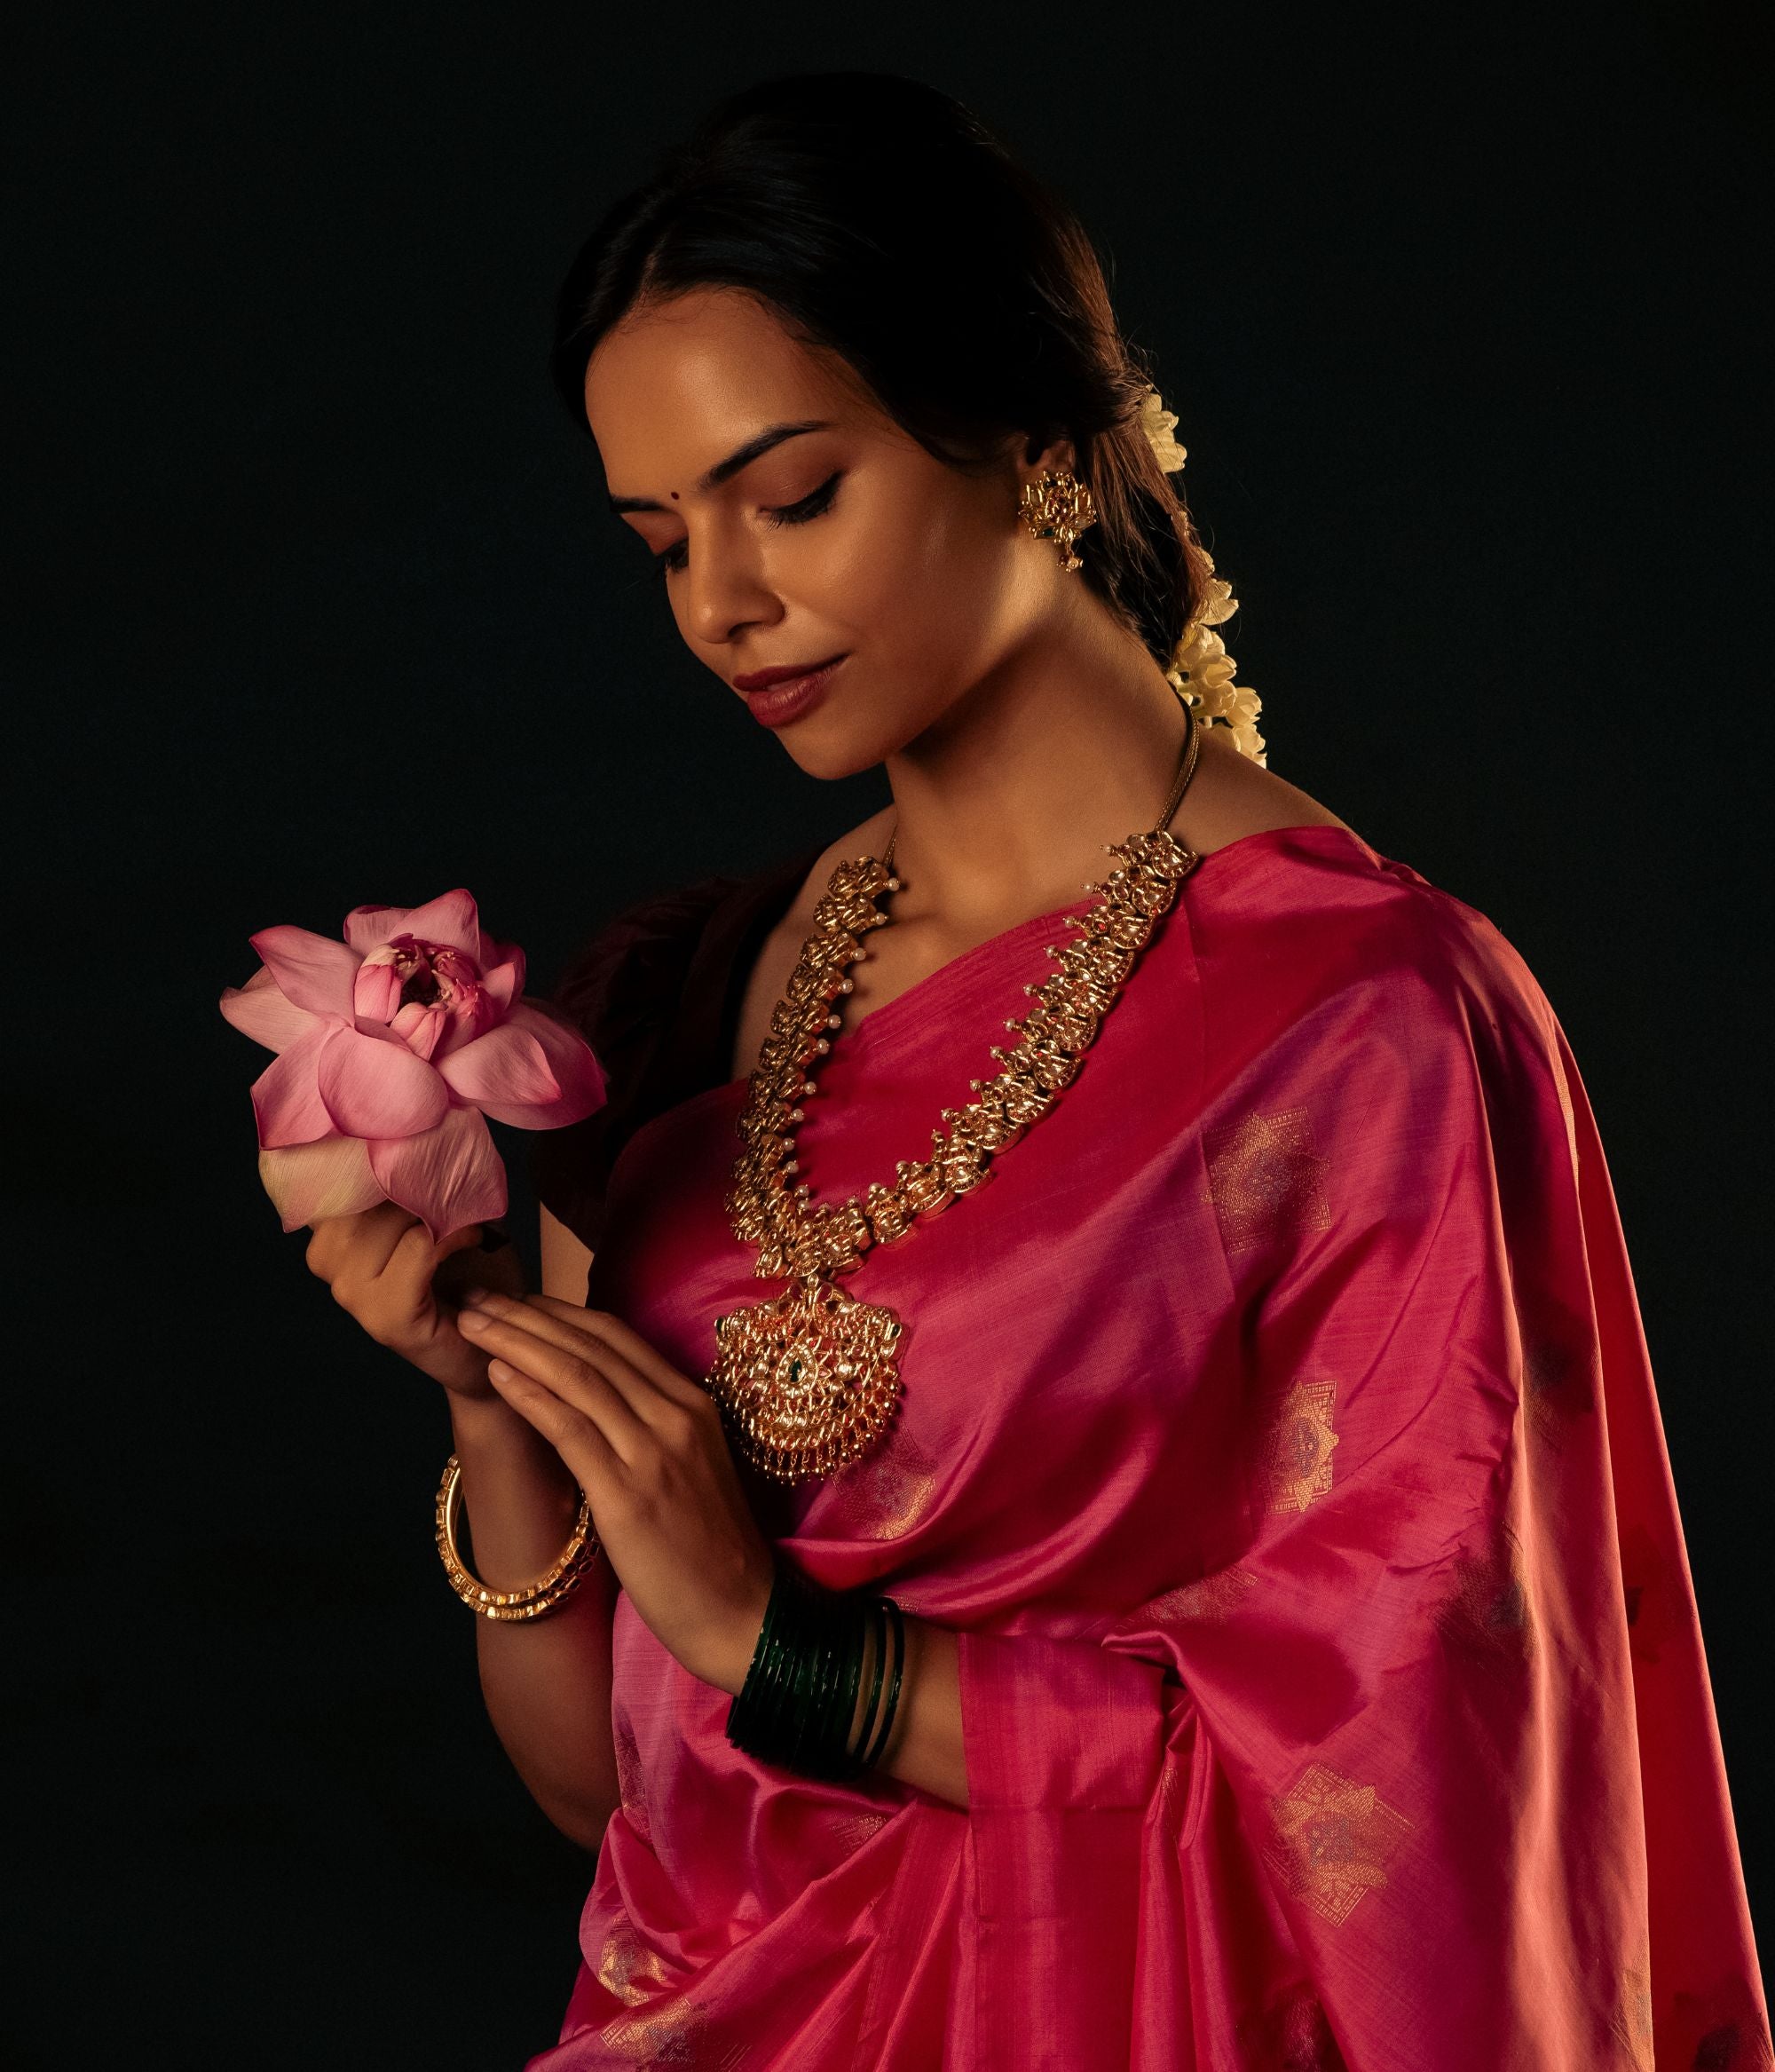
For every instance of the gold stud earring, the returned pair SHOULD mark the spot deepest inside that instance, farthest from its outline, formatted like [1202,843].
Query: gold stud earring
[1058,506]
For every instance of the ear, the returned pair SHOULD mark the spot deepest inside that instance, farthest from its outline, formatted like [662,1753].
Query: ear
[1057,453]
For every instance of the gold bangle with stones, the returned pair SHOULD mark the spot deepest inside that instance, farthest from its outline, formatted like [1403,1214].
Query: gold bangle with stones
[534,1599]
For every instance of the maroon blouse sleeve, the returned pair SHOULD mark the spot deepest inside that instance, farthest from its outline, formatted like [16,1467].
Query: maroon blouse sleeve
[656,993]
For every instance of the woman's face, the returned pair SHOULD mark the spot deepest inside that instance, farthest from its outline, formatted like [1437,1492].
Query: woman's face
[848,540]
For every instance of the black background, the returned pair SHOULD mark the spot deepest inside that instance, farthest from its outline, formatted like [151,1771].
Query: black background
[1459,312]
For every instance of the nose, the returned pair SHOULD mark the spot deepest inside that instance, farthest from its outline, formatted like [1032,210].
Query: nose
[724,590]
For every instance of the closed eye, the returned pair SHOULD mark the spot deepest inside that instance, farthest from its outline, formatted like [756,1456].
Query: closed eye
[816,502]
[810,506]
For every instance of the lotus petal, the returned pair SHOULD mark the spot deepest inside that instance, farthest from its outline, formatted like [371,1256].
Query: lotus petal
[330,1177]
[286,1094]
[374,1086]
[494,951]
[449,1177]
[375,992]
[368,928]
[503,981]
[259,1009]
[419,1027]
[449,919]
[314,971]
[571,1058]
[505,1074]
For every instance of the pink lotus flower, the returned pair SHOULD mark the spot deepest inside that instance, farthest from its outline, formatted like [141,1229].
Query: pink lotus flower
[392,1047]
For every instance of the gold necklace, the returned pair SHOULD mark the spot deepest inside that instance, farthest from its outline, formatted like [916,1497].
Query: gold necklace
[808,1381]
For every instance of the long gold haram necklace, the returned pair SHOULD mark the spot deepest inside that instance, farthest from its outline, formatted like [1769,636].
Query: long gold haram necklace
[808,1381]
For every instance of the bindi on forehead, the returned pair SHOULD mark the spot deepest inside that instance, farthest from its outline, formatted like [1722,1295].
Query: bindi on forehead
[741,457]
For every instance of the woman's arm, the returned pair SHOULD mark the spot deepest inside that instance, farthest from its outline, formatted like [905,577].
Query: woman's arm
[546,1681]
[924,1745]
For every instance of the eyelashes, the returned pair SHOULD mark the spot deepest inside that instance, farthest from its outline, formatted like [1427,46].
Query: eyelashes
[815,505]
[810,506]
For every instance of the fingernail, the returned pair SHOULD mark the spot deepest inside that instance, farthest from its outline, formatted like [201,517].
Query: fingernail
[475,1295]
[471,1320]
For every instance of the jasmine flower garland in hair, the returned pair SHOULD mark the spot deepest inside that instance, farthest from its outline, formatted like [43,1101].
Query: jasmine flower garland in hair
[1200,666]
[1158,422]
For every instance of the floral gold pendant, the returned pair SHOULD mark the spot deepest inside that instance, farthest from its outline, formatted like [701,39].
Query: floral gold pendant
[808,1381]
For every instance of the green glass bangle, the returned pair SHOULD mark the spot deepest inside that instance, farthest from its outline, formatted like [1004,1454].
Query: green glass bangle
[823,1747]
[744,1714]
[812,1640]
[776,1694]
[798,1704]
[808,1668]
[770,1626]
[877,1624]
[823,1744]
[841,1762]
[845,1763]
[872,1754]
[772,1723]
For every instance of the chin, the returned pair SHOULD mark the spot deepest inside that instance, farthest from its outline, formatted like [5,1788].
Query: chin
[832,759]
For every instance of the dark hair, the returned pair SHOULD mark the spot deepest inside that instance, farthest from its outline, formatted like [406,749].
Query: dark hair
[882,220]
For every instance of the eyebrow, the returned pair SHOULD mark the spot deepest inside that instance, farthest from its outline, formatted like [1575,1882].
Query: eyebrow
[742,457]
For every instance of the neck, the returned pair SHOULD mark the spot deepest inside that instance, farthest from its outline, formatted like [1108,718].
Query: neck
[1005,805]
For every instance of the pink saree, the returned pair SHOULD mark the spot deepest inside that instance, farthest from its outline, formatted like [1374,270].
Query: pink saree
[1277,1432]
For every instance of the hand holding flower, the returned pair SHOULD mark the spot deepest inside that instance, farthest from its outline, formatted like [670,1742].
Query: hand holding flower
[387,1272]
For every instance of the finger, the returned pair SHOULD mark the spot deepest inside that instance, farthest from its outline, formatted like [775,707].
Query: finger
[573,1330]
[658,1399]
[581,1385]
[576,1437]
[407,1272]
[417,1257]
[499,1272]
[628,1344]
[361,1242]
[417,1252]
[567,1329]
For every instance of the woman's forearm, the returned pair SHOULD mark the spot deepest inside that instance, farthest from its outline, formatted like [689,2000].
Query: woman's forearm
[924,1745]
[546,1681]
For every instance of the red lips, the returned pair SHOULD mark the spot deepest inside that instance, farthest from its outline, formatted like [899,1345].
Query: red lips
[762,679]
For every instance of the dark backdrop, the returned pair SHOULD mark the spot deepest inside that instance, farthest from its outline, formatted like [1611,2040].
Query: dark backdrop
[319,607]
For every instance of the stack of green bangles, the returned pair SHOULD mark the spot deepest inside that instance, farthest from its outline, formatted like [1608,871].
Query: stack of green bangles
[799,1700]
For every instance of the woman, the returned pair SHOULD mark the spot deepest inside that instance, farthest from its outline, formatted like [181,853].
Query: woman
[1232,1564]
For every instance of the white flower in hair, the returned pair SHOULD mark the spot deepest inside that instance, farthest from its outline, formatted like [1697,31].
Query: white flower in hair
[1203,671]
[1200,666]
[1219,603]
[1157,422]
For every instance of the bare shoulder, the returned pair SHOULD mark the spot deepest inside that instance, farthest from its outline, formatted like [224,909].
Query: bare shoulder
[867,838]
[781,948]
[1230,796]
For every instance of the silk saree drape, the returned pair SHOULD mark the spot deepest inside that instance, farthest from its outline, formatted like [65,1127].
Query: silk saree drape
[1278,1434]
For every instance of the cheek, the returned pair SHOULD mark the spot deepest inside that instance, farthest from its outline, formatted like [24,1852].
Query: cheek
[928,576]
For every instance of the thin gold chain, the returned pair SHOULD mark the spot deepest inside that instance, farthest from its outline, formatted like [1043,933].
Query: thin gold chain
[1186,770]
